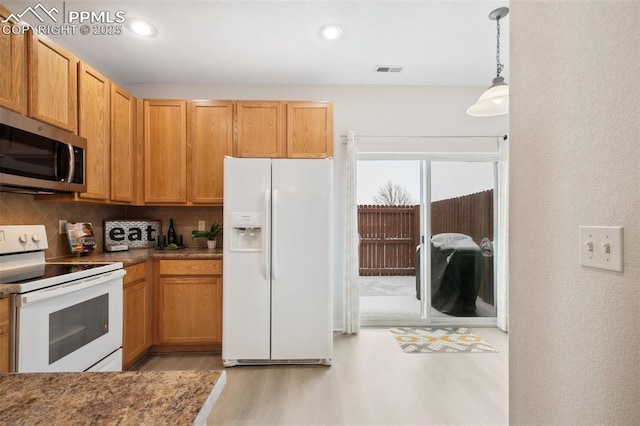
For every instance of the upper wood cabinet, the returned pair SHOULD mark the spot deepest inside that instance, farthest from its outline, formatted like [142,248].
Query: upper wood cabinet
[52,84]
[260,129]
[209,139]
[13,69]
[165,151]
[95,125]
[123,164]
[284,129]
[185,142]
[309,129]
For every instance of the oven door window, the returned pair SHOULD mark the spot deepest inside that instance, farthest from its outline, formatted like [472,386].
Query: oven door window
[75,326]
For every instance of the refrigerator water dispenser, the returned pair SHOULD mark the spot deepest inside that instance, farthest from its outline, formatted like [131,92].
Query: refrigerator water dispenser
[246,231]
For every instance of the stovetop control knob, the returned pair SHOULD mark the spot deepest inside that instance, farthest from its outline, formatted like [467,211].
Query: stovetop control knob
[23,238]
[35,238]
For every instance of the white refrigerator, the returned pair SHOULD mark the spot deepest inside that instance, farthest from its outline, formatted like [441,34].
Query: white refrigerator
[277,261]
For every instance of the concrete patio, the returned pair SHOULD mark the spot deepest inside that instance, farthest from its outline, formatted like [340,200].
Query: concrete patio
[394,298]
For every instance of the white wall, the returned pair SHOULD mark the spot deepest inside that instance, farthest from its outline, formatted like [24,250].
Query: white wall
[575,160]
[370,110]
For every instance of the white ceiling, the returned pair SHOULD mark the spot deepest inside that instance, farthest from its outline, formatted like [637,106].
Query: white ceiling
[438,42]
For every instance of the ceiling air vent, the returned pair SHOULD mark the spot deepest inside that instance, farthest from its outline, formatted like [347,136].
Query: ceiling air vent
[388,68]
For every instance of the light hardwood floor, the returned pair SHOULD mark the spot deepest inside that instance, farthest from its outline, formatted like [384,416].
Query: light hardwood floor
[371,382]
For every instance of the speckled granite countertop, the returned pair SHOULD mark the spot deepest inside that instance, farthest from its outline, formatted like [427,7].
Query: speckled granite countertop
[134,256]
[123,398]
[128,258]
[7,289]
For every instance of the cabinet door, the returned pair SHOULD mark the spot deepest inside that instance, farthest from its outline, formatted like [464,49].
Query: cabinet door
[95,125]
[210,138]
[52,84]
[309,129]
[13,68]
[122,145]
[260,130]
[133,333]
[189,302]
[165,151]
[136,333]
[190,310]
[4,335]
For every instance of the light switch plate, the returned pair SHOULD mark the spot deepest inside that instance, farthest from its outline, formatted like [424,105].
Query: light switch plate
[201,225]
[602,247]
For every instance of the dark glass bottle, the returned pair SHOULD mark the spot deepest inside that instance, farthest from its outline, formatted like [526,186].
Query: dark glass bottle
[171,233]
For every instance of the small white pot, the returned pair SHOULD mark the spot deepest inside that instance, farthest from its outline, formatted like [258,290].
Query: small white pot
[211,244]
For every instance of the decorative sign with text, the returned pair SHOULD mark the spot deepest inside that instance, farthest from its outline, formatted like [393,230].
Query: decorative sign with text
[132,233]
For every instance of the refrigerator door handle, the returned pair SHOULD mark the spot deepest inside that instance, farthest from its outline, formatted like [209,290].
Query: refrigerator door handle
[267,214]
[274,235]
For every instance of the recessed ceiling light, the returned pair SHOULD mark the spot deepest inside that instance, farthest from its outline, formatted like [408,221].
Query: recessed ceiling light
[141,27]
[331,32]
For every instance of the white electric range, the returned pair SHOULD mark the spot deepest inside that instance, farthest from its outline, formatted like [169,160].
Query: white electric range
[65,316]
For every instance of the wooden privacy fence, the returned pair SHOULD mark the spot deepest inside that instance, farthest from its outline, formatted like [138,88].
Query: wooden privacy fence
[471,215]
[388,239]
[389,235]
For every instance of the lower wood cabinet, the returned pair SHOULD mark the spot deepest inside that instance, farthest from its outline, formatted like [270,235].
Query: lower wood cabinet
[4,335]
[137,314]
[189,303]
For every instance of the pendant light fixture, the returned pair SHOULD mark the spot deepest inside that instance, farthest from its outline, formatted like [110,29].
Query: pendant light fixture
[495,100]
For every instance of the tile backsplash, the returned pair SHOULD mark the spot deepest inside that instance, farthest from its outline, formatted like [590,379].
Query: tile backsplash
[185,220]
[23,209]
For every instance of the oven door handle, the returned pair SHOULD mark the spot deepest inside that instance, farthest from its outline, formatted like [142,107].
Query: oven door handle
[71,287]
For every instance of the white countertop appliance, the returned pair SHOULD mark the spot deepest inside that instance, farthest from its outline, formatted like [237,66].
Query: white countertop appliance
[65,317]
[277,270]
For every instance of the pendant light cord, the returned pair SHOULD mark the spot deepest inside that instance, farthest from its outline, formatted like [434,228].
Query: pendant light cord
[499,66]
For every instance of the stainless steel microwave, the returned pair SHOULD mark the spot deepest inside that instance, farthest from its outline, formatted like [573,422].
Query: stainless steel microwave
[38,158]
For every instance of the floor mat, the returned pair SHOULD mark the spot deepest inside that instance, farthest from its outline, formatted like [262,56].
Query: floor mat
[424,340]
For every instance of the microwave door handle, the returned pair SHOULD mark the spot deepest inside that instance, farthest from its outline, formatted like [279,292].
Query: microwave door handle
[72,163]
[63,165]
[56,165]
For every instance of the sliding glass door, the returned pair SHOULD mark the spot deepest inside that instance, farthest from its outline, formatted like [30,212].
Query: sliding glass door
[427,238]
[462,238]
[389,215]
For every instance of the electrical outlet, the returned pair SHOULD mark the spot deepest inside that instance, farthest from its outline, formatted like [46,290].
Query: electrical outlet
[61,226]
[201,225]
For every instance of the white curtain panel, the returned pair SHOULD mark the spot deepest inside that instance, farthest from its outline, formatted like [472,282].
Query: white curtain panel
[351,302]
[503,238]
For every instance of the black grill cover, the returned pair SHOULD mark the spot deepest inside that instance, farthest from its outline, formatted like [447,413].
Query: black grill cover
[456,274]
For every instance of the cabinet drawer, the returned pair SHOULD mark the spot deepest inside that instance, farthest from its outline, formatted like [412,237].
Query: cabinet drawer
[190,267]
[135,273]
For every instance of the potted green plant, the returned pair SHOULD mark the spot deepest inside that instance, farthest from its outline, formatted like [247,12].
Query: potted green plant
[210,235]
